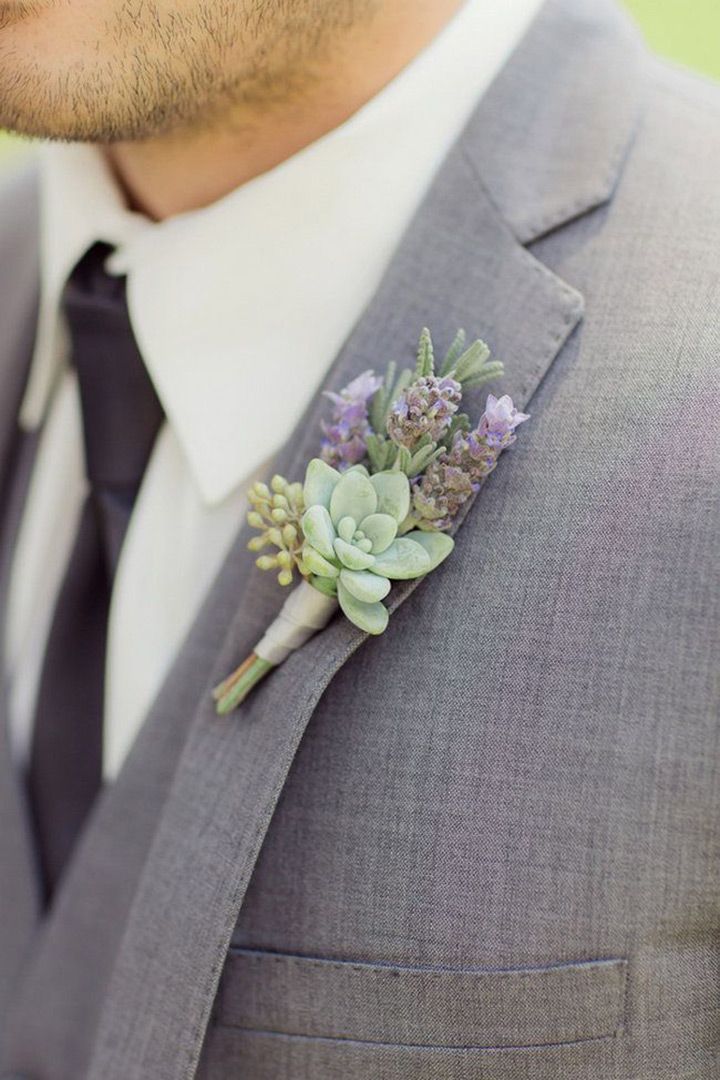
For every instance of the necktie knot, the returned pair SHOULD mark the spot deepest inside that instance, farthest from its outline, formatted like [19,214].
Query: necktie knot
[121,412]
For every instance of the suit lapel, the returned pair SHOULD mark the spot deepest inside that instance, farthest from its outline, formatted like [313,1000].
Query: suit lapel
[460,264]
[18,310]
[231,771]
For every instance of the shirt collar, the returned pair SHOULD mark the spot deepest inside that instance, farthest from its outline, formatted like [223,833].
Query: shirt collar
[240,307]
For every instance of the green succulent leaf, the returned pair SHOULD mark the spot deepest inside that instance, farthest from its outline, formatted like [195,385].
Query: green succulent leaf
[437,545]
[317,564]
[404,559]
[354,497]
[319,530]
[325,585]
[320,482]
[380,529]
[352,557]
[393,494]
[364,586]
[372,618]
[346,528]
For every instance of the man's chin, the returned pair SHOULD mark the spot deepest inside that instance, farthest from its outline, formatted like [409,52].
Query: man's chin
[36,117]
[44,95]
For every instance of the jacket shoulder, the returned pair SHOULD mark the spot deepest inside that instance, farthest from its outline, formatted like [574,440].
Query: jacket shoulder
[19,264]
[668,189]
[685,90]
[19,212]
[682,121]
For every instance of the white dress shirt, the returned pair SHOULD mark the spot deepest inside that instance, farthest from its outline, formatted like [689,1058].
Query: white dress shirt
[238,310]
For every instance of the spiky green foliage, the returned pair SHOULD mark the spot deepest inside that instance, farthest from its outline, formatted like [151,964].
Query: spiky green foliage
[425,355]
[391,389]
[451,356]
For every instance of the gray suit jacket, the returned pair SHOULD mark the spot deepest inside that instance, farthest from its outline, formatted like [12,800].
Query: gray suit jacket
[489,851]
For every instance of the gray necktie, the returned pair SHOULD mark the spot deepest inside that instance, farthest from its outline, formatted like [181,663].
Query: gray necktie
[121,416]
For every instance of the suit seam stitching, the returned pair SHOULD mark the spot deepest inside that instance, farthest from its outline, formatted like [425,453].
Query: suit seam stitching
[614,1034]
[399,971]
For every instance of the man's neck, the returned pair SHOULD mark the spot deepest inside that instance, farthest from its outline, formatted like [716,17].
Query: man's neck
[185,170]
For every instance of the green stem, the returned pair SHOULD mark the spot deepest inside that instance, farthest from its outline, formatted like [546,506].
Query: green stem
[234,690]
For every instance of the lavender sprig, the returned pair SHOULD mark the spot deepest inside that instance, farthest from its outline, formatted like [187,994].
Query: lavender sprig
[424,411]
[458,473]
[345,442]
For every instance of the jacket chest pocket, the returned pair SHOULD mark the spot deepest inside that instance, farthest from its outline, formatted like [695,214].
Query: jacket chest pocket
[280,1016]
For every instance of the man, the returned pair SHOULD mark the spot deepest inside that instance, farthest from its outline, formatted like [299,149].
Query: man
[485,843]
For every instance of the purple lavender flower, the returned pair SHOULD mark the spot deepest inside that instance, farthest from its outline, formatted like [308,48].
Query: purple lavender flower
[439,493]
[426,407]
[452,478]
[345,436]
[499,421]
[471,453]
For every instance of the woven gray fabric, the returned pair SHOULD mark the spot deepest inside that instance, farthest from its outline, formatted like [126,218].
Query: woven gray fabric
[19,902]
[382,1003]
[522,775]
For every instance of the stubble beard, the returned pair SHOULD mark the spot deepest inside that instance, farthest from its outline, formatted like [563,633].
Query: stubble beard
[154,71]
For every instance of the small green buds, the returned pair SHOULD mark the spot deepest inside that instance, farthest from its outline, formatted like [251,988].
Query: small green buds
[276,512]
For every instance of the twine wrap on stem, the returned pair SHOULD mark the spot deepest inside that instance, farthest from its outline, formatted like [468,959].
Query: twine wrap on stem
[304,613]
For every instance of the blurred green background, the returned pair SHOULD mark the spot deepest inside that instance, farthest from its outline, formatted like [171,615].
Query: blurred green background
[684,30]
[687,31]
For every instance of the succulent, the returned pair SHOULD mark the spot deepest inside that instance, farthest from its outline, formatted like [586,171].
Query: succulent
[352,549]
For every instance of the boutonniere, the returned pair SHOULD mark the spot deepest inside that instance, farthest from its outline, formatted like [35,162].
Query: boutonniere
[398,460]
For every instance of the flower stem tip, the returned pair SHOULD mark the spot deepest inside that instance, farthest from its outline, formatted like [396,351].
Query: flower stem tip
[232,691]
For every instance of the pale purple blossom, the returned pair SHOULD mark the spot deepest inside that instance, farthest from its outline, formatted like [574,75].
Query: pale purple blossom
[361,389]
[426,407]
[499,421]
[345,441]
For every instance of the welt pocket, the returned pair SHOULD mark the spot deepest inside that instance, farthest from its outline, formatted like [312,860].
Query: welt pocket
[283,994]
